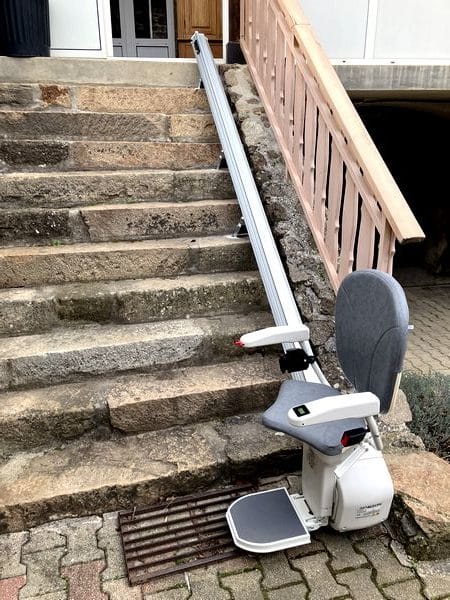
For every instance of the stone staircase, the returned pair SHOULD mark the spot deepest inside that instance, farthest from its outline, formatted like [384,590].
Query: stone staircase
[121,293]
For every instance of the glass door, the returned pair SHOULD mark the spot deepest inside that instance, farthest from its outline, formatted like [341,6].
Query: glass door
[143,28]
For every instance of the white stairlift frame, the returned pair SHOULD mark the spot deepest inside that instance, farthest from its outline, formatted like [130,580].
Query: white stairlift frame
[341,490]
[325,479]
[333,408]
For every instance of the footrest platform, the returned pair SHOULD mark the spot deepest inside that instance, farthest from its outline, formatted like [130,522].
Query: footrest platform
[266,521]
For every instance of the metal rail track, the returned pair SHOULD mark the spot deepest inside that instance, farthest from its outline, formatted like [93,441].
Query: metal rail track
[279,294]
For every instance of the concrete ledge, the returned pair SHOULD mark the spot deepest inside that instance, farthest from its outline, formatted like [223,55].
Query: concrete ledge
[391,79]
[99,70]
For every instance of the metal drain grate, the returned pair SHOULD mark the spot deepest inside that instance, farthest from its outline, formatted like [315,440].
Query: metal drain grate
[177,535]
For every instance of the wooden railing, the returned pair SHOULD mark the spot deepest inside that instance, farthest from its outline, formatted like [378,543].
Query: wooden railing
[354,208]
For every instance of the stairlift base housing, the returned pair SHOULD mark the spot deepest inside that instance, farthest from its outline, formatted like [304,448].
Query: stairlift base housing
[346,492]
[353,491]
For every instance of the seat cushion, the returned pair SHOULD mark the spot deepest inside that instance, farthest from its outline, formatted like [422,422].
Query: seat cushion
[325,437]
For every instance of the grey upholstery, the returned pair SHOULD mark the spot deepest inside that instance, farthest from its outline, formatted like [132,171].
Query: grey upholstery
[371,333]
[326,437]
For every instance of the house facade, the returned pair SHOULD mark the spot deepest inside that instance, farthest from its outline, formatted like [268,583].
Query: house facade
[350,30]
[139,28]
[381,30]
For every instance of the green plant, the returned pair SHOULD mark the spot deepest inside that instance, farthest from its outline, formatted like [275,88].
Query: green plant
[429,399]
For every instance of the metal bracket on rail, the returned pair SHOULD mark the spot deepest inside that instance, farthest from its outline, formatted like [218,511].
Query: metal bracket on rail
[222,162]
[296,359]
[240,230]
[195,46]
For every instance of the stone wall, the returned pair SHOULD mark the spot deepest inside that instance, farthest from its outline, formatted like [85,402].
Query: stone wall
[312,290]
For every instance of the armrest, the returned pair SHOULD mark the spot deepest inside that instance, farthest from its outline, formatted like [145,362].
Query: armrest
[274,335]
[334,408]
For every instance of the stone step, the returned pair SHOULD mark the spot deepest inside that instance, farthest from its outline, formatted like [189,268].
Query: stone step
[68,354]
[88,477]
[164,73]
[117,222]
[140,99]
[69,189]
[41,265]
[35,310]
[135,403]
[40,125]
[103,98]
[84,155]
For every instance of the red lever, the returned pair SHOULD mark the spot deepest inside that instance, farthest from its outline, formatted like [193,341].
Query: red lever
[353,436]
[345,441]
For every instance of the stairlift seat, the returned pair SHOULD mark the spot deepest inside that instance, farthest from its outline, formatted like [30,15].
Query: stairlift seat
[371,332]
[325,437]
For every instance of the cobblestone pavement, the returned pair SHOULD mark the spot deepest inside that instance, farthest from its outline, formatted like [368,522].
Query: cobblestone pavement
[429,342]
[81,559]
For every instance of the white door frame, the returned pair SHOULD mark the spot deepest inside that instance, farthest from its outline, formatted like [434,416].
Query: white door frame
[225,36]
[225,27]
[130,43]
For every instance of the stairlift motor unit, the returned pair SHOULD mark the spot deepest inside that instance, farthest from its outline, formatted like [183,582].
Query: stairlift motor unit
[349,490]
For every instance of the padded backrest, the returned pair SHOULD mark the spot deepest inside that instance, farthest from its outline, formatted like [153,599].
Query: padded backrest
[371,332]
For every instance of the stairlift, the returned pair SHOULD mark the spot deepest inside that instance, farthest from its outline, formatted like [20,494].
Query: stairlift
[345,480]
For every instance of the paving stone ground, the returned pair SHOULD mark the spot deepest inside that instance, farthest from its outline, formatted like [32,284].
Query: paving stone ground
[429,342]
[81,559]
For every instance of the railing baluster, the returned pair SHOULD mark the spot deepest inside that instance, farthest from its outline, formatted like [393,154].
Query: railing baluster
[263,58]
[280,69]
[334,205]
[289,82]
[254,27]
[386,248]
[320,195]
[310,148]
[258,17]
[366,241]
[271,45]
[348,228]
[248,22]
[299,122]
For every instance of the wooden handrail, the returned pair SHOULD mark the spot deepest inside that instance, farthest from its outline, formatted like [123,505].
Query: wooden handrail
[332,160]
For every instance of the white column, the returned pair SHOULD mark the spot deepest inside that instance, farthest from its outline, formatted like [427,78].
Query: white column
[225,26]
[371,31]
